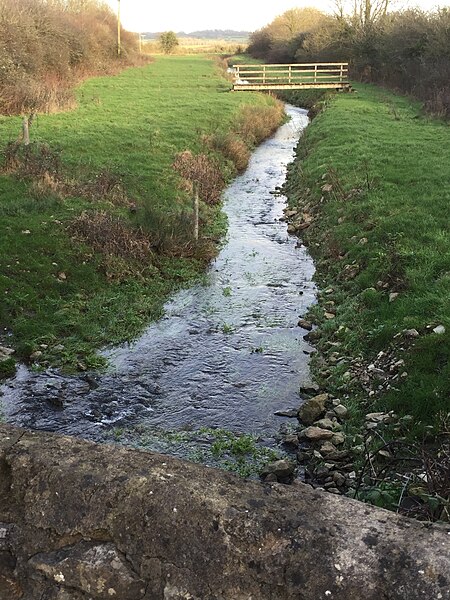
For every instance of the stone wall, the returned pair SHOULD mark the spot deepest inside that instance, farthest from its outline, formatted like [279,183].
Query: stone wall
[84,521]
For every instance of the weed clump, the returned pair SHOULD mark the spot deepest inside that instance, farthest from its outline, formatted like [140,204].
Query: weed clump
[203,171]
[125,251]
[42,165]
[257,125]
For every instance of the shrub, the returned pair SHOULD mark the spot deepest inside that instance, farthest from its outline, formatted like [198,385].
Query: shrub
[203,171]
[114,239]
[47,46]
[232,147]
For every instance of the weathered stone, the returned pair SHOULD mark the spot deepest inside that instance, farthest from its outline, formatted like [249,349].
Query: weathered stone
[303,456]
[304,324]
[189,532]
[341,411]
[329,485]
[312,409]
[376,416]
[96,569]
[324,424]
[338,455]
[310,389]
[440,329]
[327,448]
[338,438]
[315,434]
[412,333]
[281,468]
[290,413]
[291,440]
[339,479]
[5,352]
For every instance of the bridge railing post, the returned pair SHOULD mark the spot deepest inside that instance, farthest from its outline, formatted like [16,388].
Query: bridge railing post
[264,74]
[290,75]
[315,73]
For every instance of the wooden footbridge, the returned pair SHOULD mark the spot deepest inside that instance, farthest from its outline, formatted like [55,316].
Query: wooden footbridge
[298,76]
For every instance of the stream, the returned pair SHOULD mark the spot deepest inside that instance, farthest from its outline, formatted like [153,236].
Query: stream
[227,354]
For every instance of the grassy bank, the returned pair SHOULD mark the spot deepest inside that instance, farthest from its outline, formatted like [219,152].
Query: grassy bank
[371,194]
[67,288]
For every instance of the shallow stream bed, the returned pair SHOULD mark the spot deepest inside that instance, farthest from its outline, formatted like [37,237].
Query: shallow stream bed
[227,354]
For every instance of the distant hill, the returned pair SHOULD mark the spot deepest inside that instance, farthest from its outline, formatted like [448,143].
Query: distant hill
[206,34]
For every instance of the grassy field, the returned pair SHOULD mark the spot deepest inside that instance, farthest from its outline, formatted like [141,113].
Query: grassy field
[374,176]
[60,299]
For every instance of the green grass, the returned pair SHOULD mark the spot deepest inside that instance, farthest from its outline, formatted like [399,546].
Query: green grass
[395,228]
[132,124]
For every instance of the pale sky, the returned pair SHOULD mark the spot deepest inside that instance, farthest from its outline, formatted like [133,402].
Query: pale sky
[247,15]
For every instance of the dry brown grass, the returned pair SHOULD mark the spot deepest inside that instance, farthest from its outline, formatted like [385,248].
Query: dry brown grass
[257,124]
[203,171]
[42,166]
[125,251]
[232,147]
[253,125]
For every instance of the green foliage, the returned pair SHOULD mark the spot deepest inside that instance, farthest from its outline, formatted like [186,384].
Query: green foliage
[168,42]
[7,368]
[393,233]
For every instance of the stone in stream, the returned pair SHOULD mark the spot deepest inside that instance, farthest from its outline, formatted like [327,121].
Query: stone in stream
[305,324]
[311,389]
[290,413]
[312,409]
[291,440]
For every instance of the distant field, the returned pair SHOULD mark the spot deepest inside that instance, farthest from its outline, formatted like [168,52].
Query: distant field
[200,45]
[57,296]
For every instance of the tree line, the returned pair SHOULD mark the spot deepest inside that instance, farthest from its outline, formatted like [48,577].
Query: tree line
[405,50]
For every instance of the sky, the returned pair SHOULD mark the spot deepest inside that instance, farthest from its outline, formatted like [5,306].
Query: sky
[245,15]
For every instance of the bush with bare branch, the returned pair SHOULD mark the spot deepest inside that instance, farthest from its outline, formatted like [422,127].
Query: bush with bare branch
[203,171]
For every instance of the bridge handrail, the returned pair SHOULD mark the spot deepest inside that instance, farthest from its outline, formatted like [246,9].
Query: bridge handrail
[296,75]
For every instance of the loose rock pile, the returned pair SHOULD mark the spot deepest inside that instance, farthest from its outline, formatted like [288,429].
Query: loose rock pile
[320,446]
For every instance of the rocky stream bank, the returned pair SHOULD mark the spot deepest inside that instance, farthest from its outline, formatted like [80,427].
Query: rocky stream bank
[364,430]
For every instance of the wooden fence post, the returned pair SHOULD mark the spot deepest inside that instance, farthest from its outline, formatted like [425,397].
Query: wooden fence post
[26,130]
[196,200]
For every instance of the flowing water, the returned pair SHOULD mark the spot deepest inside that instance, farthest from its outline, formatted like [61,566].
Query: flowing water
[228,353]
